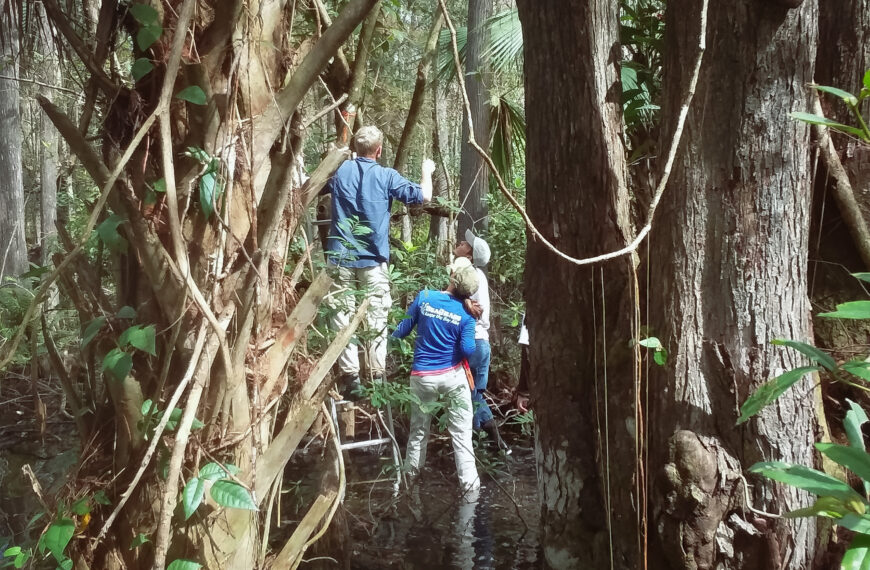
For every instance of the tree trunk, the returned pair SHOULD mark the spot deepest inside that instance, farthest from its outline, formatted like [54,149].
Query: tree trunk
[13,249]
[729,274]
[473,173]
[50,142]
[579,318]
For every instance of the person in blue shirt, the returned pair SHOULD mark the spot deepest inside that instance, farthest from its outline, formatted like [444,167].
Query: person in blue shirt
[445,339]
[358,247]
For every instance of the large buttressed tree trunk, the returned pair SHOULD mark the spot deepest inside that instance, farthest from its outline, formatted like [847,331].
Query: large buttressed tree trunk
[579,317]
[728,259]
[223,144]
[473,174]
[13,250]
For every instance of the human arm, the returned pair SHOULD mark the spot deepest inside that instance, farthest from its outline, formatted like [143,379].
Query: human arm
[407,325]
[428,168]
[466,338]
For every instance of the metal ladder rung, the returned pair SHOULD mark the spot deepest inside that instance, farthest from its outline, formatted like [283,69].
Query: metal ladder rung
[367,443]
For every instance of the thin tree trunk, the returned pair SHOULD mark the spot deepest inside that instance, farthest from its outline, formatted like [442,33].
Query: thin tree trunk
[474,175]
[50,142]
[579,318]
[729,274]
[13,249]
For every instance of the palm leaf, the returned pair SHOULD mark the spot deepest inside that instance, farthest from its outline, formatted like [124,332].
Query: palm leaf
[505,40]
[508,139]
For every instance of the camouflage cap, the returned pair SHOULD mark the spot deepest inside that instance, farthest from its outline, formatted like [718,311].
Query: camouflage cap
[464,279]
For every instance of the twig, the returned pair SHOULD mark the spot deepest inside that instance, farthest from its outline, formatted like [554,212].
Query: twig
[335,103]
[843,192]
[158,431]
[675,142]
[40,84]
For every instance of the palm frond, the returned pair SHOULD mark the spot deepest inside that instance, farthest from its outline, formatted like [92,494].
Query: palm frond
[505,40]
[446,66]
[508,136]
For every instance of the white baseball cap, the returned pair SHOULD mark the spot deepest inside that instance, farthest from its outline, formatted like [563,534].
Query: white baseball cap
[480,252]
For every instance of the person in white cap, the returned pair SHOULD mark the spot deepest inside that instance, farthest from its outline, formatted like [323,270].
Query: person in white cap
[476,250]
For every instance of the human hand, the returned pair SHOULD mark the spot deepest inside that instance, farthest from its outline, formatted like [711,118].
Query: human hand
[428,167]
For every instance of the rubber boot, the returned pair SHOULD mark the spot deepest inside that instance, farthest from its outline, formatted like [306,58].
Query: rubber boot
[491,430]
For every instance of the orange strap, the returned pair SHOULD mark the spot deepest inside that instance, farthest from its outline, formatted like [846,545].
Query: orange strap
[468,374]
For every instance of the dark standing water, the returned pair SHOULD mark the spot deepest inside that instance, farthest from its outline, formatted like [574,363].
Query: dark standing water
[432,527]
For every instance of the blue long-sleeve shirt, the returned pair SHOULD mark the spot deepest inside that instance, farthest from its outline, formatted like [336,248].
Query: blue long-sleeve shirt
[445,331]
[362,196]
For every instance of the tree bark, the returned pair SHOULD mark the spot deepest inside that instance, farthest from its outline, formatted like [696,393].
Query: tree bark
[50,141]
[473,173]
[729,273]
[13,249]
[579,318]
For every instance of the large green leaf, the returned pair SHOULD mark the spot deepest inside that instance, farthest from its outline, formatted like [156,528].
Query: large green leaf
[855,418]
[847,97]
[118,363]
[805,478]
[144,14]
[850,310]
[182,564]
[230,494]
[209,192]
[505,40]
[857,556]
[91,330]
[768,392]
[108,232]
[858,368]
[191,496]
[856,460]
[147,35]
[813,353]
[56,537]
[855,522]
[140,68]
[824,121]
[829,507]
[213,471]
[192,94]
[141,337]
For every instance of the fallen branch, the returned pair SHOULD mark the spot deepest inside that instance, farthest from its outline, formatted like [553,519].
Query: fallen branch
[675,143]
[843,193]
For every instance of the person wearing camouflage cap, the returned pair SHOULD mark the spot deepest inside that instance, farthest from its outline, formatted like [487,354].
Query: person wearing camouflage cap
[445,338]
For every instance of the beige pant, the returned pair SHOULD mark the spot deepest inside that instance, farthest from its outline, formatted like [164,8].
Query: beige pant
[374,282]
[454,386]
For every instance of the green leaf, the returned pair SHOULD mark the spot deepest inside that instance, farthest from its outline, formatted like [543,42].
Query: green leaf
[850,310]
[81,507]
[139,337]
[768,392]
[147,35]
[139,540]
[855,418]
[805,478]
[829,507]
[126,312]
[193,94]
[855,522]
[58,535]
[118,363]
[65,564]
[209,192]
[651,342]
[91,330]
[140,68]
[230,494]
[824,121]
[198,154]
[847,97]
[856,460]
[146,407]
[858,368]
[14,551]
[660,357]
[108,232]
[145,14]
[867,79]
[159,185]
[191,496]
[809,351]
[857,556]
[181,564]
[101,499]
[213,471]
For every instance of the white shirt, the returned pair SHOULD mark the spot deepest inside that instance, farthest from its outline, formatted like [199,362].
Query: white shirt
[481,329]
